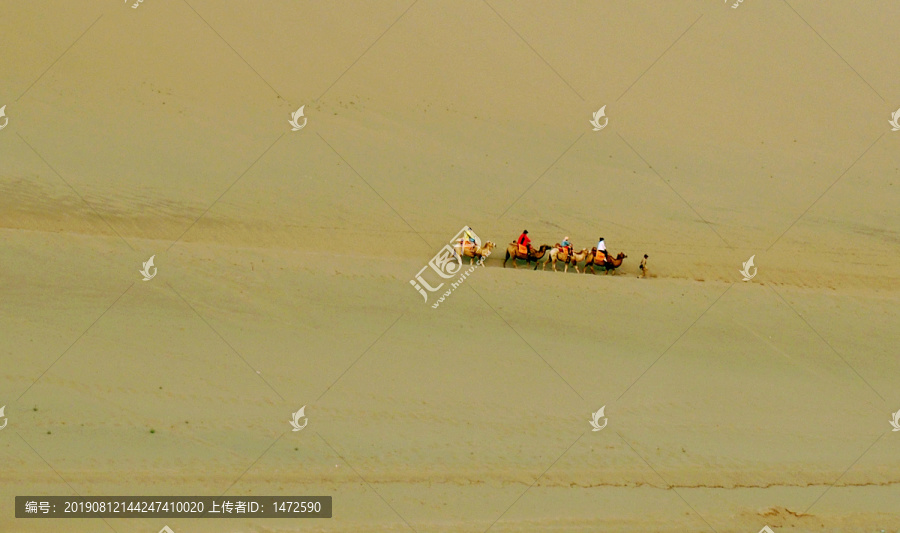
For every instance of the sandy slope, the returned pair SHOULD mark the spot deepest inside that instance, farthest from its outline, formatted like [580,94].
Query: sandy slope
[731,405]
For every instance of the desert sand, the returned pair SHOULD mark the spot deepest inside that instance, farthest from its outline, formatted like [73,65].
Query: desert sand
[284,261]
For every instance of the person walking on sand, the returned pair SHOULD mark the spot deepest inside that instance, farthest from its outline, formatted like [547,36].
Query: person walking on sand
[643,267]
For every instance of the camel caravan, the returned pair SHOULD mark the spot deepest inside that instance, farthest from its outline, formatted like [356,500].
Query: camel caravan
[564,252]
[467,244]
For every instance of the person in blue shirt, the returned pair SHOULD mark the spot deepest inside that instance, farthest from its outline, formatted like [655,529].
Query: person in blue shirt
[567,245]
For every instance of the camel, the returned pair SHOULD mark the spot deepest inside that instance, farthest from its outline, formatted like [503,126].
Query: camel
[577,257]
[593,258]
[473,252]
[559,253]
[512,251]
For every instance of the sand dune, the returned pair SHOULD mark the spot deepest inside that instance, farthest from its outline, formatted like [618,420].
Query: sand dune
[284,259]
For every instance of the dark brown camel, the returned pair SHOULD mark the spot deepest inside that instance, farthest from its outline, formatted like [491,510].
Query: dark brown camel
[603,260]
[512,251]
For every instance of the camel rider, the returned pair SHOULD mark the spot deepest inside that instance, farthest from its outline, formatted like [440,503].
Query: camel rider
[567,245]
[470,237]
[601,248]
[523,240]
